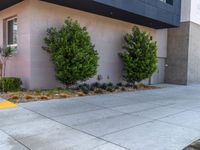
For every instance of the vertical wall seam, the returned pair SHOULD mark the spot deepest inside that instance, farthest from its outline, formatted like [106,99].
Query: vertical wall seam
[188,48]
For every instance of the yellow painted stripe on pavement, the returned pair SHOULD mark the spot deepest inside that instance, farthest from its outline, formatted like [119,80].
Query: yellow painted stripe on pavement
[7,104]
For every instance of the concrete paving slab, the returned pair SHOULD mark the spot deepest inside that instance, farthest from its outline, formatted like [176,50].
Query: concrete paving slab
[190,119]
[108,146]
[196,109]
[59,107]
[32,128]
[159,112]
[147,97]
[110,101]
[142,95]
[88,145]
[8,143]
[62,139]
[154,136]
[136,107]
[185,105]
[165,101]
[112,124]
[86,118]
[12,145]
[4,138]
[16,116]
[1,100]
[105,116]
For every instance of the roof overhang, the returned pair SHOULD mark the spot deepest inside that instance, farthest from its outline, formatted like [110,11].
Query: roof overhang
[7,3]
[159,16]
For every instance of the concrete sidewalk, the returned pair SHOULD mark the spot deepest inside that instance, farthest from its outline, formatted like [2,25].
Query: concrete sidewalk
[163,119]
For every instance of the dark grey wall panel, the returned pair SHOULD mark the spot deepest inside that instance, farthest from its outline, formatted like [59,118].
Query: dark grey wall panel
[151,13]
[154,9]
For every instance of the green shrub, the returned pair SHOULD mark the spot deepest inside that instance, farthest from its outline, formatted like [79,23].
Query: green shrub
[10,84]
[104,86]
[59,88]
[110,89]
[37,91]
[140,56]
[119,84]
[129,85]
[86,85]
[96,85]
[85,88]
[92,88]
[116,87]
[110,84]
[72,52]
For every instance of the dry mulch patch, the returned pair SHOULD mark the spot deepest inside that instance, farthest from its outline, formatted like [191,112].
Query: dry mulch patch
[44,95]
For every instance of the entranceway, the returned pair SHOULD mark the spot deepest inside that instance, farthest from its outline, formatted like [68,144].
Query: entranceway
[159,75]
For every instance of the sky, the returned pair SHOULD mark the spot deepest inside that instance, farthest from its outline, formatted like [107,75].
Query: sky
[195,11]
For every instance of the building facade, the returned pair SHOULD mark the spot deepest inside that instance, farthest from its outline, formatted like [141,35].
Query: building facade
[183,58]
[23,25]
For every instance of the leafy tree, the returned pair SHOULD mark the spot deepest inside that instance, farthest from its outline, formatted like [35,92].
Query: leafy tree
[140,56]
[72,52]
[5,54]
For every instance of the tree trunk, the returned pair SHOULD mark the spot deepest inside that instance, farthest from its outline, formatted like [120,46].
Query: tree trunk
[1,64]
[4,69]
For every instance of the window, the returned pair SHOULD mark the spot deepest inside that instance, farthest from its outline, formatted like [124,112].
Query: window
[11,32]
[167,1]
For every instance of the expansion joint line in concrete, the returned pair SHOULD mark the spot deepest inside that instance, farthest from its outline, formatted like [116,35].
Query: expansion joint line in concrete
[78,129]
[15,139]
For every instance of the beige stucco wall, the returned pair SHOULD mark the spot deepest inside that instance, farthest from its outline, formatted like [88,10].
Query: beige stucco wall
[19,64]
[106,33]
